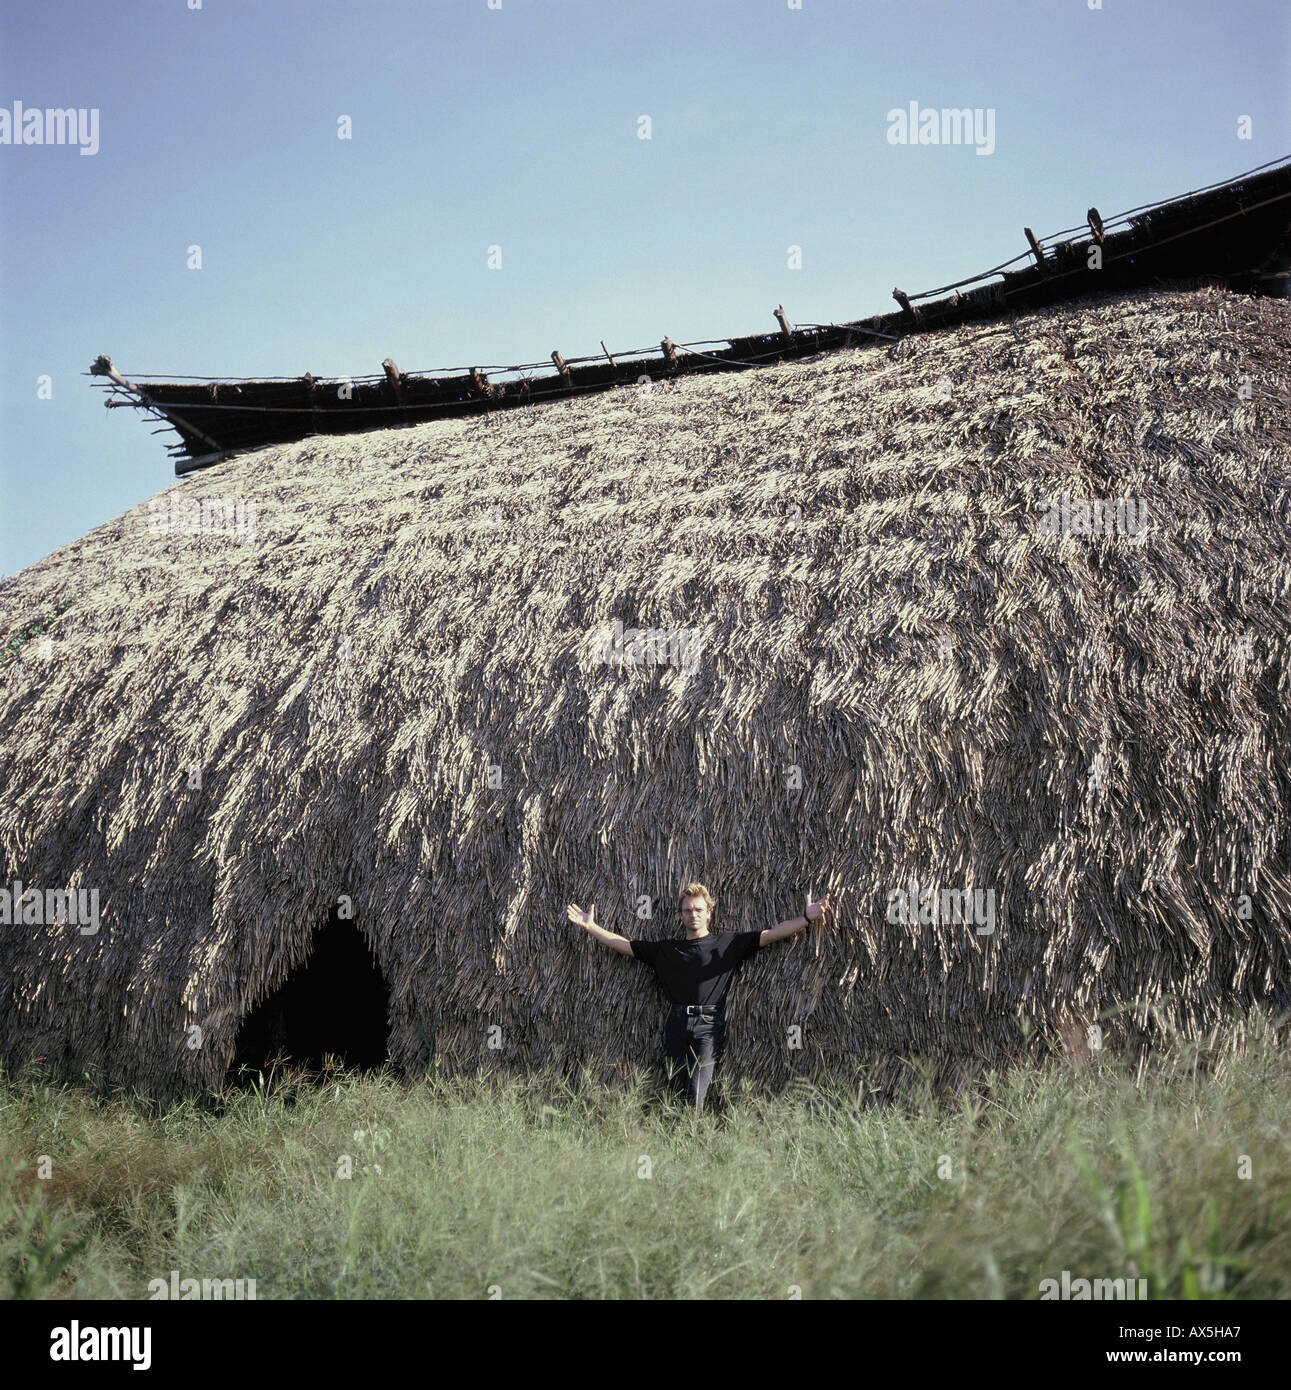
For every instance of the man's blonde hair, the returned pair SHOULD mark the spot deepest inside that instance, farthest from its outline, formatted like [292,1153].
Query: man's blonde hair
[696,890]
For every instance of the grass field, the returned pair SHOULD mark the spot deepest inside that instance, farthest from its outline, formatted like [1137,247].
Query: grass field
[542,1188]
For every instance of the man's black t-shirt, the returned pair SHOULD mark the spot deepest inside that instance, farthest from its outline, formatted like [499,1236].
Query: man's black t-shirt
[700,971]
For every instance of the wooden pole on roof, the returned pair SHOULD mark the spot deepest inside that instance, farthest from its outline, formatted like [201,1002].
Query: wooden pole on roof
[191,465]
[670,353]
[562,368]
[1096,225]
[308,382]
[1036,250]
[394,377]
[103,367]
[783,322]
[606,351]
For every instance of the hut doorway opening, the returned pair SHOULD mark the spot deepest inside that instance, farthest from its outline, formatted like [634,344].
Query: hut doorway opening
[334,1004]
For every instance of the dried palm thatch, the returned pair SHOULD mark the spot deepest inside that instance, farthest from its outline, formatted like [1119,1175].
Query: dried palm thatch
[394,696]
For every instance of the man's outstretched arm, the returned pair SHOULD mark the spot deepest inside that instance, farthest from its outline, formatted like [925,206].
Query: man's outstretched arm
[587,920]
[795,924]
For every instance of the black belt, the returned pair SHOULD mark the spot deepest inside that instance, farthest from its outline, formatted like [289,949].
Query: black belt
[697,1010]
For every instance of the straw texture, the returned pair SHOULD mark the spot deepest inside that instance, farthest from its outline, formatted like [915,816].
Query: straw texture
[394,697]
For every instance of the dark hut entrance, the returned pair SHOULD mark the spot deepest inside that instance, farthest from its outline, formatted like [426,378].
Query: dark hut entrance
[335,1004]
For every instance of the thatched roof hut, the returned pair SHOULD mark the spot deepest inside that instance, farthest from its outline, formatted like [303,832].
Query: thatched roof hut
[397,697]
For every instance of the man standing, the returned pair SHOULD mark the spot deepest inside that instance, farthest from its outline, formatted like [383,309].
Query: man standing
[696,973]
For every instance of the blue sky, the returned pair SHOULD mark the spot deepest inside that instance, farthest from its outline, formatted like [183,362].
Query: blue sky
[518,127]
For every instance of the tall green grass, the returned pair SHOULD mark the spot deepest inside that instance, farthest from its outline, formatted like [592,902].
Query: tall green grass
[541,1188]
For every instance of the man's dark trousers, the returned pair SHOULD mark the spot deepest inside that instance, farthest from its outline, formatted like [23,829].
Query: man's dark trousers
[693,1044]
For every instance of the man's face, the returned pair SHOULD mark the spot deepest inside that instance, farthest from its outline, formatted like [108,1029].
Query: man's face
[694,916]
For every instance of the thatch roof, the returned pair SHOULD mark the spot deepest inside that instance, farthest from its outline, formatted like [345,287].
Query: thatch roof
[825,525]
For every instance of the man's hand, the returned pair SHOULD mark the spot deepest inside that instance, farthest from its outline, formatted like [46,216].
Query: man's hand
[586,920]
[821,908]
[815,911]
